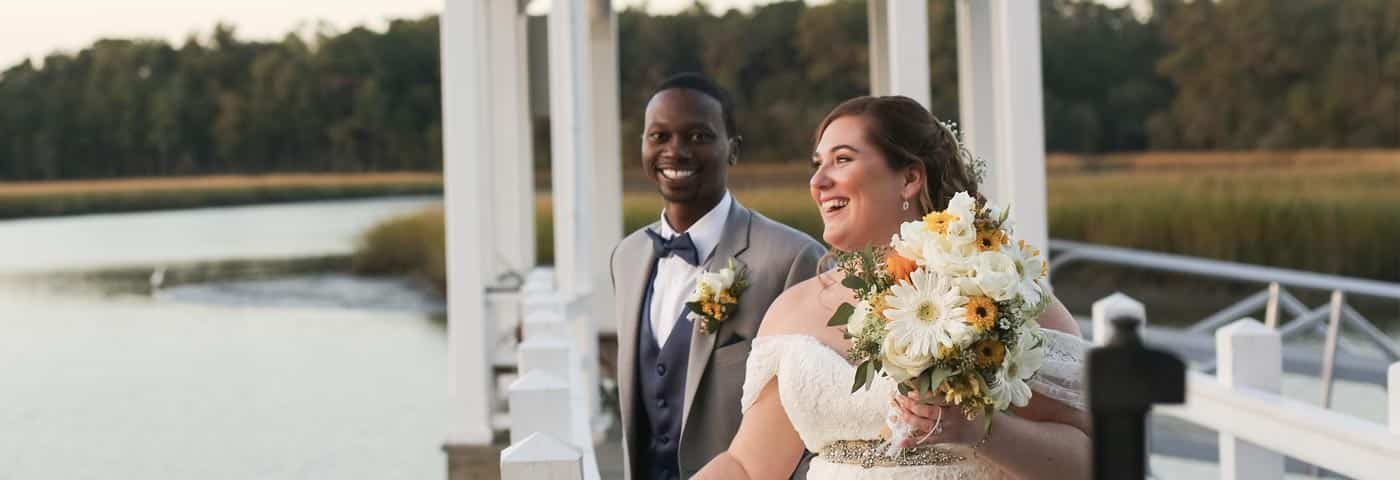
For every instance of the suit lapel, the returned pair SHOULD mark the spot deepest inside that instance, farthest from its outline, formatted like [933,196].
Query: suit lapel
[633,281]
[733,242]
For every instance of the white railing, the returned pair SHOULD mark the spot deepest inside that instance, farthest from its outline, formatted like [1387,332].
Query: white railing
[552,417]
[1257,425]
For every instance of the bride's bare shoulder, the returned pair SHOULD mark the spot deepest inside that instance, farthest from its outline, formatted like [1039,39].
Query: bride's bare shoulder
[805,307]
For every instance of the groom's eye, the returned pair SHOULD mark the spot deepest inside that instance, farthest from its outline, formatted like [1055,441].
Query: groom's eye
[700,137]
[656,137]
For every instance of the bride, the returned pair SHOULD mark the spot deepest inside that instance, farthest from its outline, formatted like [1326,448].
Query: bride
[879,162]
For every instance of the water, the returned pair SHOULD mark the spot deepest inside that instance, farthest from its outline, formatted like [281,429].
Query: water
[207,234]
[323,376]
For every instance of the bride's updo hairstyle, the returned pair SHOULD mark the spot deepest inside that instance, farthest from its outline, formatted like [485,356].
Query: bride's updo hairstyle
[907,134]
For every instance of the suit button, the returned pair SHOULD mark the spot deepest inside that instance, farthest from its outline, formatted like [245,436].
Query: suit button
[661,402]
[664,439]
[661,369]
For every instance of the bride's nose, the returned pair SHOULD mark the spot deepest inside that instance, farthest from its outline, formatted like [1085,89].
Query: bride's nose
[820,180]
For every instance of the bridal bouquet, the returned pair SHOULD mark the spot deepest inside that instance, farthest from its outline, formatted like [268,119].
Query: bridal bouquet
[947,309]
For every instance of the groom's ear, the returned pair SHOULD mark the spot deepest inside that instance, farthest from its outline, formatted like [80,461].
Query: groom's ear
[735,142]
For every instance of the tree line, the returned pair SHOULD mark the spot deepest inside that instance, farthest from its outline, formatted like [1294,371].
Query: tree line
[1226,74]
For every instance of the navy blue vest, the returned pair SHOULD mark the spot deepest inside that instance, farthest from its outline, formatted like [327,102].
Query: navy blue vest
[661,393]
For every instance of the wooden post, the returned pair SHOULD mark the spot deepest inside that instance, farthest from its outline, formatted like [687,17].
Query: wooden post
[541,457]
[1114,306]
[1249,355]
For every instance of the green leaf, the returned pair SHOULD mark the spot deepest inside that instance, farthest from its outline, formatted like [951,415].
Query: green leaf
[862,374]
[936,377]
[854,283]
[842,315]
[923,383]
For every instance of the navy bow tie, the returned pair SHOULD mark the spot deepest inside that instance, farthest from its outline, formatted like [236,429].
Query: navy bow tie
[680,245]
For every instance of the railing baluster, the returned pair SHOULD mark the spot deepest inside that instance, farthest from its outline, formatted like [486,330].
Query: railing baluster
[1249,355]
[541,457]
[1271,308]
[1125,380]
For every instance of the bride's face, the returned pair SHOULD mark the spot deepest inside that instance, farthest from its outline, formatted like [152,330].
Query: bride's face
[860,197]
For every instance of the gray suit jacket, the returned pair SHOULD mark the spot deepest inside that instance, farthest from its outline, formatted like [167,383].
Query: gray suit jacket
[775,257]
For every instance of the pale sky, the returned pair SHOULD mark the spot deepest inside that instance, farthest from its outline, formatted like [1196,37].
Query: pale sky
[33,28]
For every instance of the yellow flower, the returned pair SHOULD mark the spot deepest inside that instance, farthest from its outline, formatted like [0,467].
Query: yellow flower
[981,313]
[725,297]
[990,240]
[990,352]
[937,222]
[961,388]
[878,304]
[713,310]
[945,351]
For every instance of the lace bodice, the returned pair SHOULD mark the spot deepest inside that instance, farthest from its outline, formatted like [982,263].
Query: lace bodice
[814,381]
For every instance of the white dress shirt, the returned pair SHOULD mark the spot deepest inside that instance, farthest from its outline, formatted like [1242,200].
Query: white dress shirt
[674,277]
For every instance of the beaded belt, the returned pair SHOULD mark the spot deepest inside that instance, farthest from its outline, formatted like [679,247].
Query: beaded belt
[871,453]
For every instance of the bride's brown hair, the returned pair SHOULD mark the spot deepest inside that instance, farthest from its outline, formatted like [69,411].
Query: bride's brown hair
[907,134]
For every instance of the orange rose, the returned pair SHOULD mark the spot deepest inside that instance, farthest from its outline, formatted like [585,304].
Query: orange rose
[899,267]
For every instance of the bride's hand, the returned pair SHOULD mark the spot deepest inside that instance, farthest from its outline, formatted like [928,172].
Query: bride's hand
[924,417]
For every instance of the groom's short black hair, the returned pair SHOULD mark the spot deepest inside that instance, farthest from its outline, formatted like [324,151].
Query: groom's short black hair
[703,84]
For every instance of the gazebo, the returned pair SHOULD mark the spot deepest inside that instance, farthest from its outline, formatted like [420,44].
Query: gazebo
[493,282]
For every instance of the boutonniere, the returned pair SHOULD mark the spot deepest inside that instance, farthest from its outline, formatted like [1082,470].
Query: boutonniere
[716,297]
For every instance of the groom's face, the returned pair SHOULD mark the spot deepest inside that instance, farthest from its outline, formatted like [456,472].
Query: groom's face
[685,148]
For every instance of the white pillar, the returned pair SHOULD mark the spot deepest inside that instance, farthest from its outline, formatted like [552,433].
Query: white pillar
[899,38]
[976,92]
[465,129]
[541,457]
[1113,306]
[511,160]
[1393,387]
[607,156]
[574,134]
[548,354]
[571,143]
[1249,355]
[879,47]
[1018,175]
[999,50]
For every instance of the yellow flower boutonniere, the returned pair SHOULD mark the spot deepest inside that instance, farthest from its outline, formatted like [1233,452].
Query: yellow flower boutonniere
[716,297]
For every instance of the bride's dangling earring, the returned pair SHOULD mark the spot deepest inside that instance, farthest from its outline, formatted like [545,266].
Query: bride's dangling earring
[906,205]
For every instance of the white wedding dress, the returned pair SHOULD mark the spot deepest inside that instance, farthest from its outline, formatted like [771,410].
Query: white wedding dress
[814,382]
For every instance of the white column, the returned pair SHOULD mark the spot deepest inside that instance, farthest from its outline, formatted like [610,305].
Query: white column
[902,48]
[875,20]
[1249,355]
[976,92]
[1018,174]
[999,50]
[575,135]
[607,155]
[571,143]
[511,159]
[541,457]
[1113,306]
[465,129]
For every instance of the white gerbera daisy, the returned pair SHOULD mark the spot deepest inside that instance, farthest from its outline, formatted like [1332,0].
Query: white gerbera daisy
[1030,267]
[1022,361]
[928,314]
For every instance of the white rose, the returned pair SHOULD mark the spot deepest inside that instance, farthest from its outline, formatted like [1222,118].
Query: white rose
[996,275]
[912,242]
[858,318]
[899,362]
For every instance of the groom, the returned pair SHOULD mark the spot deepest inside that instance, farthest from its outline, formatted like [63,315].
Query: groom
[680,385]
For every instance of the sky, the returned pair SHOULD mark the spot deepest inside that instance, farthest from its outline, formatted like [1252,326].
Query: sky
[34,28]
